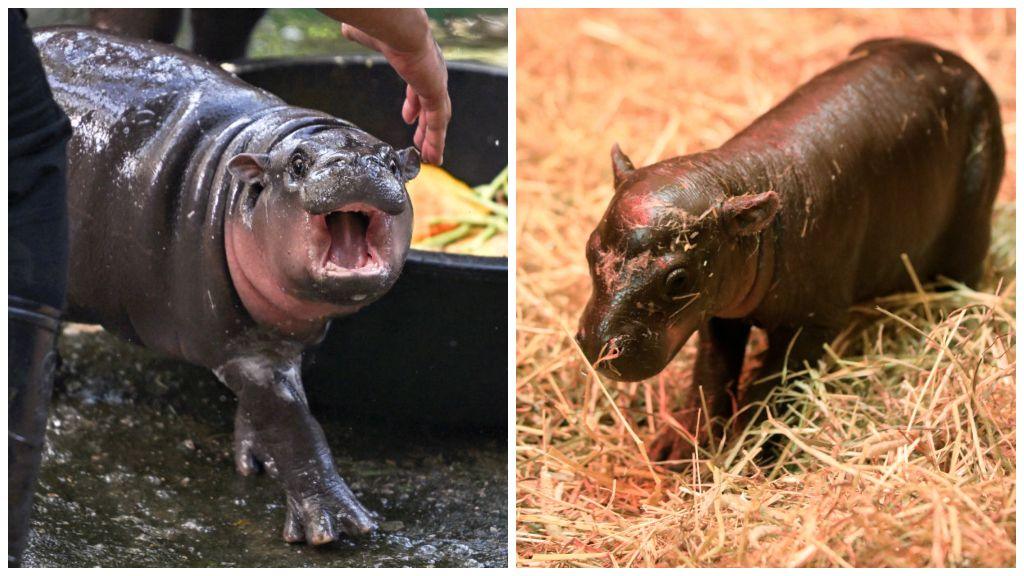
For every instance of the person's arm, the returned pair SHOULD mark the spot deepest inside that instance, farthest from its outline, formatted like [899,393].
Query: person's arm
[403,37]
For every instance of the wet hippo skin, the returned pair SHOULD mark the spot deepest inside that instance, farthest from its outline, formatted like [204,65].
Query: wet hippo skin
[896,150]
[212,222]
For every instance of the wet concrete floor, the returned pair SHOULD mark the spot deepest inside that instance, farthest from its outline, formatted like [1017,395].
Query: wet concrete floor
[138,472]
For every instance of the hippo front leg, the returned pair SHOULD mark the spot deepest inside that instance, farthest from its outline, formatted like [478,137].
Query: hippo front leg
[274,428]
[788,350]
[720,349]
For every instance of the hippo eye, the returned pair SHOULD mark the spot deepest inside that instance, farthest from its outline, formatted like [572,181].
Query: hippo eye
[298,164]
[675,283]
[393,166]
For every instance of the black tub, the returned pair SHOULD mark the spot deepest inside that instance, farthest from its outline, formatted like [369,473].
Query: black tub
[434,349]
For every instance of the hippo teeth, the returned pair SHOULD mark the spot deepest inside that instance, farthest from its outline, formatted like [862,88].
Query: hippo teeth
[349,248]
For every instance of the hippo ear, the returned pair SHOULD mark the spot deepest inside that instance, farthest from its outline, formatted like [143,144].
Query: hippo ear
[749,214]
[409,163]
[249,168]
[621,165]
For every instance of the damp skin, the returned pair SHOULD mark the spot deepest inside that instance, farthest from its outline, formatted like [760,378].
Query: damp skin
[212,222]
[896,150]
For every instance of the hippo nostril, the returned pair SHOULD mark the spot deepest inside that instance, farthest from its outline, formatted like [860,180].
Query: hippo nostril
[612,349]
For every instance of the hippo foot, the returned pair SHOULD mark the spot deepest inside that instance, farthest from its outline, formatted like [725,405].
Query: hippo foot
[320,507]
[674,447]
[322,517]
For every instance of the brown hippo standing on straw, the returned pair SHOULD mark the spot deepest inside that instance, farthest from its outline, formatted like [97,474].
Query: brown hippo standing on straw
[895,151]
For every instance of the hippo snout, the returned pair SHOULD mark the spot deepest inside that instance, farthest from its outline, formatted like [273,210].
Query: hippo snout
[384,188]
[394,200]
[380,188]
[617,357]
[387,197]
[364,180]
[618,353]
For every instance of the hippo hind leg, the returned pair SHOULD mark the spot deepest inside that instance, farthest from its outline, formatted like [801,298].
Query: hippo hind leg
[967,241]
[963,258]
[789,350]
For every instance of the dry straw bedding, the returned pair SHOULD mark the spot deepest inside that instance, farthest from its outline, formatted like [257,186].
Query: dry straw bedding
[900,448]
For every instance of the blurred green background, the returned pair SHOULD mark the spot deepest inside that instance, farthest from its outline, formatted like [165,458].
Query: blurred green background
[479,35]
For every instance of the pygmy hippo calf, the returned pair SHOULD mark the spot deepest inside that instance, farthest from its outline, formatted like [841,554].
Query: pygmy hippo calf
[896,150]
[212,222]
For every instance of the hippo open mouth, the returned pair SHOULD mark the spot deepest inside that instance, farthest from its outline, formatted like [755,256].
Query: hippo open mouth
[354,233]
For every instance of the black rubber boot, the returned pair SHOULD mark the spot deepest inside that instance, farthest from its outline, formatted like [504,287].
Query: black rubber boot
[32,332]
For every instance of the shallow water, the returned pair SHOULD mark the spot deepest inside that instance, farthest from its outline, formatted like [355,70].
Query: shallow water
[138,472]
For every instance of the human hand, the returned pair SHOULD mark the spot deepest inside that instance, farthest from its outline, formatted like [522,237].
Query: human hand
[422,66]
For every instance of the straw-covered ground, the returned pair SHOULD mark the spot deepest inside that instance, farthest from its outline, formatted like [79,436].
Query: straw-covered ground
[899,448]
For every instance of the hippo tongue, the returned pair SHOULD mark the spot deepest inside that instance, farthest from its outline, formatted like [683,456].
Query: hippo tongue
[348,239]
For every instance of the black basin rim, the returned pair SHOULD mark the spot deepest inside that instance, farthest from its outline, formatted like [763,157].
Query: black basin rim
[489,268]
[247,65]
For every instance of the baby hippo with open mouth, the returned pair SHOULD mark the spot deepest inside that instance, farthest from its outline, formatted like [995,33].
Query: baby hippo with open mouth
[323,227]
[214,223]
